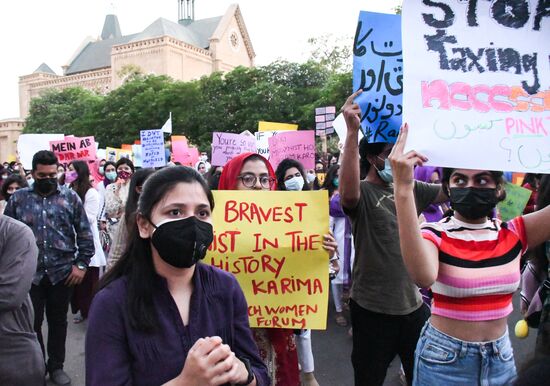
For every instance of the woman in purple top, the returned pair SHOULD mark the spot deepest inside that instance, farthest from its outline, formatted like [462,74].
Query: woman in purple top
[431,174]
[161,317]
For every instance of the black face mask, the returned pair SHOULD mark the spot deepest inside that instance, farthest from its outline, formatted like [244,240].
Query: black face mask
[45,186]
[474,203]
[182,243]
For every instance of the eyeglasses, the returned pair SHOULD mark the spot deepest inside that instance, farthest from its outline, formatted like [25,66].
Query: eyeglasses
[250,180]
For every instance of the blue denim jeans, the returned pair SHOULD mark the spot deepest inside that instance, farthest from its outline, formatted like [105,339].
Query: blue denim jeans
[441,360]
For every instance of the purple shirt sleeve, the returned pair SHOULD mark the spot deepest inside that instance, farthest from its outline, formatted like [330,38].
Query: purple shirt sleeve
[118,354]
[108,357]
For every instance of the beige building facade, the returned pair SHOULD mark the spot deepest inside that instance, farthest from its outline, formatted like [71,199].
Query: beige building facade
[184,50]
[9,132]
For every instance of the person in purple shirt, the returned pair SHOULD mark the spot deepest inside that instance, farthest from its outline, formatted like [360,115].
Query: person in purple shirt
[161,317]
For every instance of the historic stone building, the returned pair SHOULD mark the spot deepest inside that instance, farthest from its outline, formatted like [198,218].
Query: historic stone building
[9,132]
[183,50]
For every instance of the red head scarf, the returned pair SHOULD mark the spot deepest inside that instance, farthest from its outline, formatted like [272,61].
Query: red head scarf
[231,170]
[287,372]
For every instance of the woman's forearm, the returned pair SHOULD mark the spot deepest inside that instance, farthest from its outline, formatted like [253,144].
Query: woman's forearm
[419,256]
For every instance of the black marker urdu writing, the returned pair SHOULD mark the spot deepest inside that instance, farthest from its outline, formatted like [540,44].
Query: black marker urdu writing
[512,15]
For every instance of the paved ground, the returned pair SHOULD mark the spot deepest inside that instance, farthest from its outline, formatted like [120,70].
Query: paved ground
[332,349]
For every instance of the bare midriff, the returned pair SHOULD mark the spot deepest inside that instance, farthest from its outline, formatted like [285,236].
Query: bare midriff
[470,331]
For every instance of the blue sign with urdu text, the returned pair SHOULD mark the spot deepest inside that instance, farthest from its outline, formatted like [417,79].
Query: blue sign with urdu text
[378,70]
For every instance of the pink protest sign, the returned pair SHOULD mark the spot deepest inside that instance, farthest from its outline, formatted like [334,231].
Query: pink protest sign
[225,146]
[298,145]
[180,149]
[74,148]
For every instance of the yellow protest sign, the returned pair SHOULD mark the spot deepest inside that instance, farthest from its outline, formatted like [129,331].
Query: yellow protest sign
[272,243]
[276,126]
[112,154]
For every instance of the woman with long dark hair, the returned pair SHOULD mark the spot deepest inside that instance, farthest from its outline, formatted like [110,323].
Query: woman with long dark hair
[161,317]
[332,182]
[11,184]
[291,177]
[78,178]
[472,263]
[251,171]
[116,195]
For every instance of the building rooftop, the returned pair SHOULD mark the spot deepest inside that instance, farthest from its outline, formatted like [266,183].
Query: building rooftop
[44,68]
[97,54]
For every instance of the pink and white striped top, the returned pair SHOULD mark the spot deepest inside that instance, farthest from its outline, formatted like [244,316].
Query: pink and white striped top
[479,267]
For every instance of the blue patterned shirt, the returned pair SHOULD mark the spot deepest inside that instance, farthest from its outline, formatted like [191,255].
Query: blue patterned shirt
[59,224]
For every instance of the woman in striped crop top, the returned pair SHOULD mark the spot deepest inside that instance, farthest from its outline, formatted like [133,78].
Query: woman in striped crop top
[472,263]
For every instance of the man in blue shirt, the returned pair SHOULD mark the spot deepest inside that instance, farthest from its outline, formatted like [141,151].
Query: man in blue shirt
[65,244]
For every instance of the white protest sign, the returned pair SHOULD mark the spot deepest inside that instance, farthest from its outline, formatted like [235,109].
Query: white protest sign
[477,83]
[136,149]
[101,154]
[262,142]
[152,148]
[341,129]
[29,144]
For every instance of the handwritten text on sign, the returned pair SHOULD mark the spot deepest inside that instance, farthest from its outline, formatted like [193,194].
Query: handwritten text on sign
[272,243]
[515,202]
[262,142]
[74,148]
[152,148]
[378,71]
[226,146]
[298,145]
[477,83]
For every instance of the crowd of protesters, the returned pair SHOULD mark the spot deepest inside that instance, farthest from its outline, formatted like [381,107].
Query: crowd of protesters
[418,254]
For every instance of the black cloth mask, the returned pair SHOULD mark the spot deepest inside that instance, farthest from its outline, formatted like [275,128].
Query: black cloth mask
[474,203]
[182,243]
[45,186]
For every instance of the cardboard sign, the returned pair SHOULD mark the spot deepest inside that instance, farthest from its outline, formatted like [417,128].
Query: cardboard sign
[276,126]
[272,243]
[112,154]
[477,83]
[515,202]
[262,142]
[298,145]
[152,148]
[378,71]
[74,148]
[324,117]
[180,149]
[29,144]
[225,146]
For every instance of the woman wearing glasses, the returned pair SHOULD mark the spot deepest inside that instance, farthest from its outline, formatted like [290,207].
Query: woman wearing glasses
[250,171]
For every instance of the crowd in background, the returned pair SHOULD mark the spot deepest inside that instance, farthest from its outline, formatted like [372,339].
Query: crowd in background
[398,251]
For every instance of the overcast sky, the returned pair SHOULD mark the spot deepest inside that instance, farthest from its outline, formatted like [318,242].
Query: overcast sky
[34,31]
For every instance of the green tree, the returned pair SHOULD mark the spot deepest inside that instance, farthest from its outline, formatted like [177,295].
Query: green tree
[232,102]
[398,9]
[69,111]
[136,105]
[332,52]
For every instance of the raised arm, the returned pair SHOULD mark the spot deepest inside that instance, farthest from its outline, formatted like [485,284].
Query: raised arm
[420,255]
[349,169]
